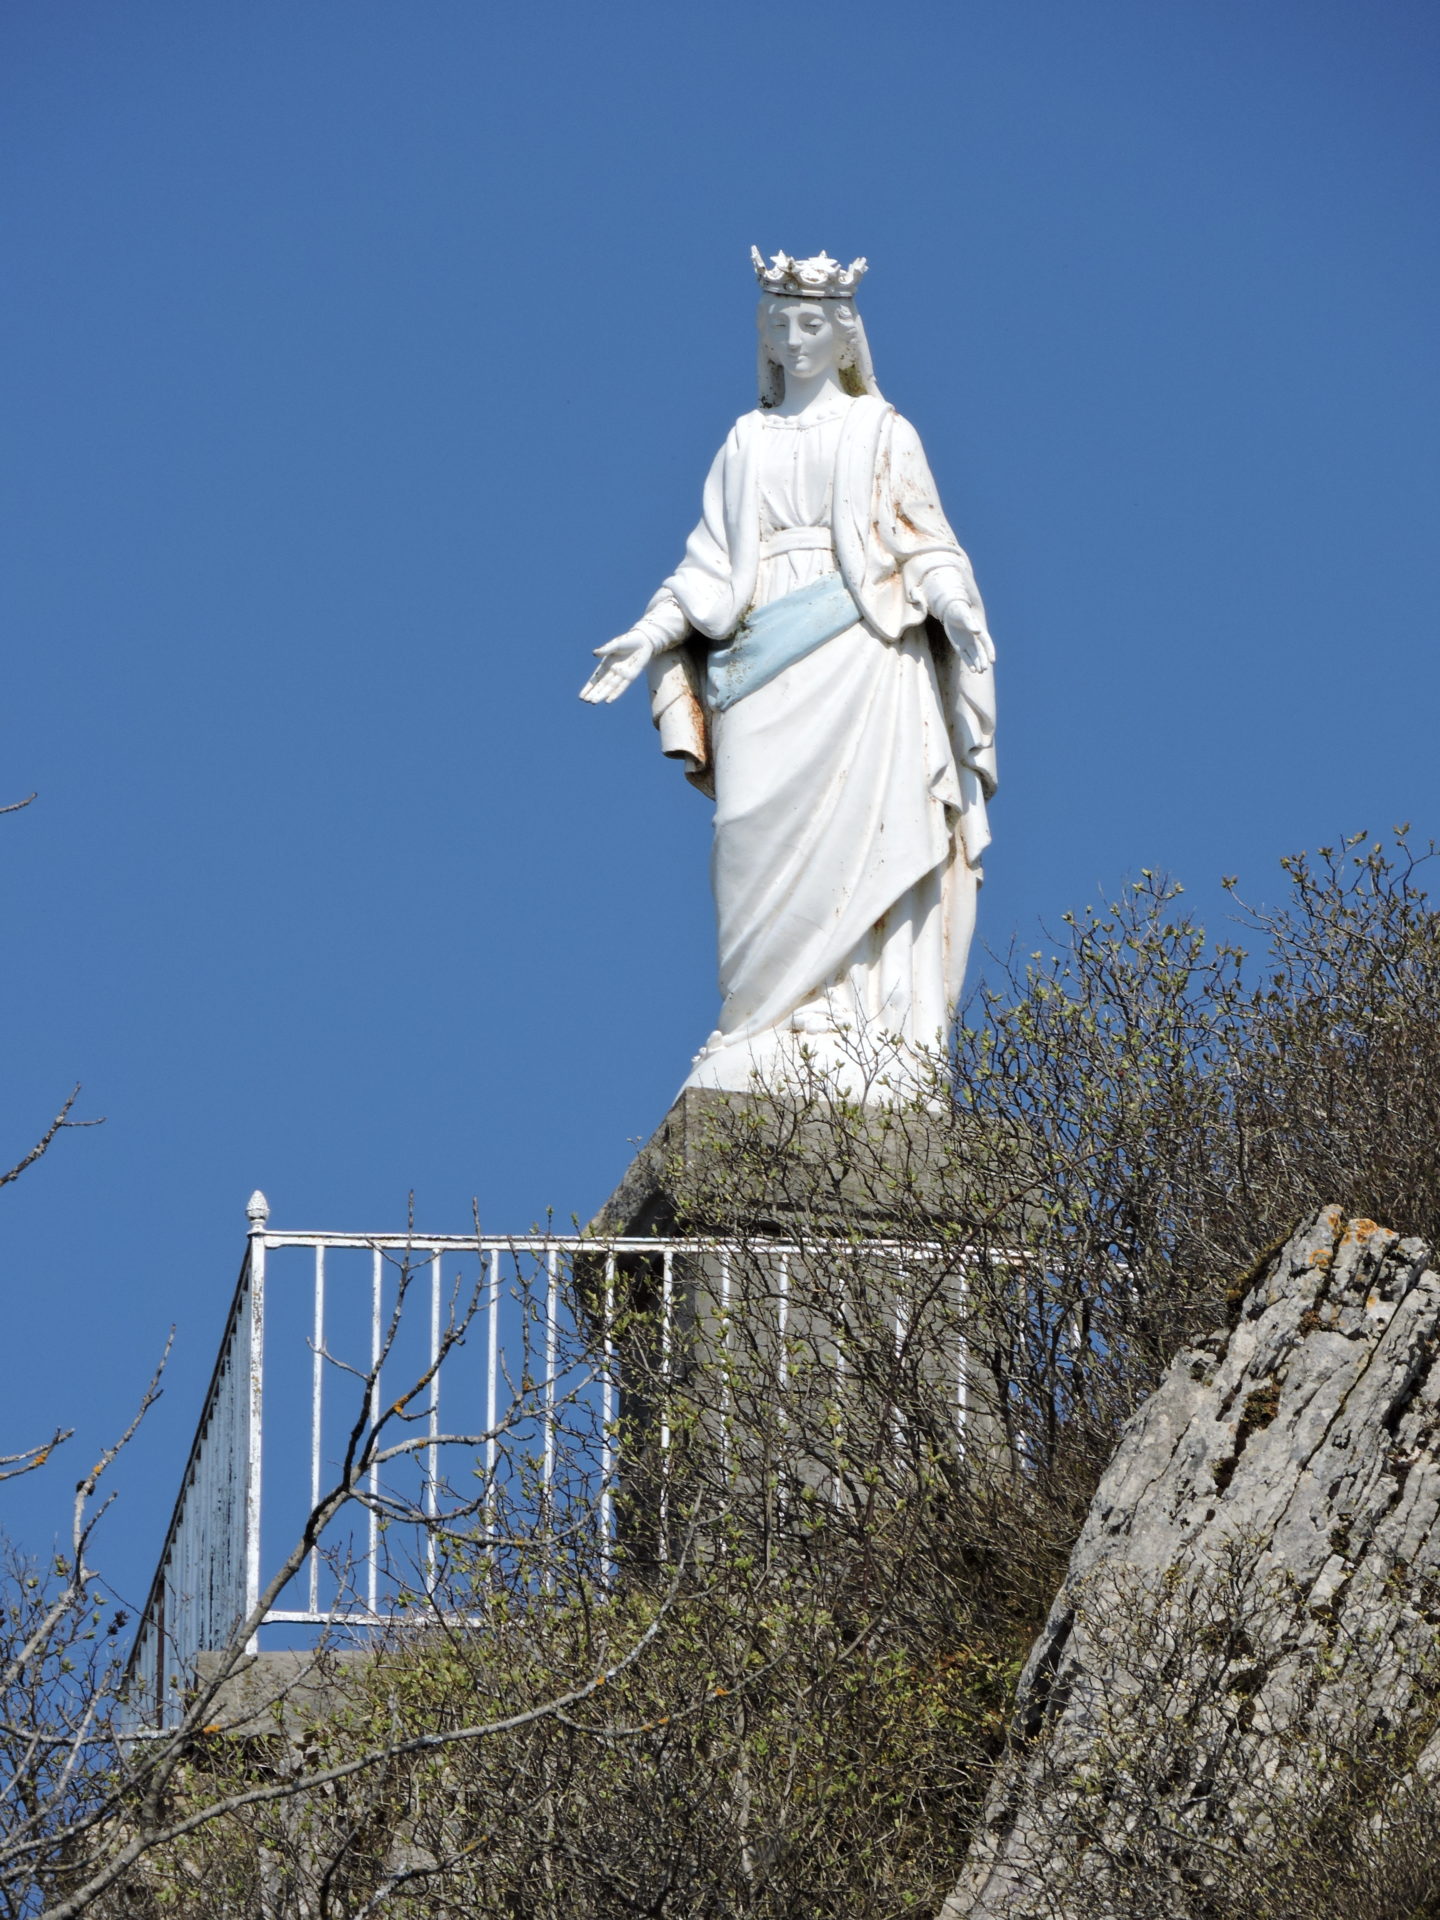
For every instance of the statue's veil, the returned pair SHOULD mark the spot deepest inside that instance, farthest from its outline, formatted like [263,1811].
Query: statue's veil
[857,372]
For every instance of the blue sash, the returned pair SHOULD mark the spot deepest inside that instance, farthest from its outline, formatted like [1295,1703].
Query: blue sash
[769,639]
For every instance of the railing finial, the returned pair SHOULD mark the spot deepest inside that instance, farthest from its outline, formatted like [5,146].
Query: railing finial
[257,1212]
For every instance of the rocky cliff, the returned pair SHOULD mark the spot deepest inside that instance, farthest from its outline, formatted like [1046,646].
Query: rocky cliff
[1248,1625]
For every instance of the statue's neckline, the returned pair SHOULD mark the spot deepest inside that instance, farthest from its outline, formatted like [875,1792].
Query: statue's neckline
[822,418]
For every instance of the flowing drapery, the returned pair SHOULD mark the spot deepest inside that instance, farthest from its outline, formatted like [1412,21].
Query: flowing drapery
[850,788]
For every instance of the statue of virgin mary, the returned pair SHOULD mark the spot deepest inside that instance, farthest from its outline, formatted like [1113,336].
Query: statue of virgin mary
[820,664]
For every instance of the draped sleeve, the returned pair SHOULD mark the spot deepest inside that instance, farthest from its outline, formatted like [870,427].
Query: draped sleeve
[715,582]
[896,550]
[711,590]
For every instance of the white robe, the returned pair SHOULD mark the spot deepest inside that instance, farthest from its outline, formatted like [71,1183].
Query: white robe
[850,790]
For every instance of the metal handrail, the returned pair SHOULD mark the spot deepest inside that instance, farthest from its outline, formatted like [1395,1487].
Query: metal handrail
[204,1589]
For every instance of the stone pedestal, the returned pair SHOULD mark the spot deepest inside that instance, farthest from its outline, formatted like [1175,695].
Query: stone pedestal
[744,1163]
[759,1175]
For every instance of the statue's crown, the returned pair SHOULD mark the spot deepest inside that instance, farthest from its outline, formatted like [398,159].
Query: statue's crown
[819,278]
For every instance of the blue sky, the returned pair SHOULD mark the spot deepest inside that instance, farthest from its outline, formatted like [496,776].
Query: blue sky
[363,365]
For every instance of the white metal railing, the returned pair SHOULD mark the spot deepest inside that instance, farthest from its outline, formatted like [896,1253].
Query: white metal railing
[208,1563]
[528,1381]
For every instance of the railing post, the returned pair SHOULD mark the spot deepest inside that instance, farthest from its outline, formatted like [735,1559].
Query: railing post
[607,1428]
[667,1334]
[258,1214]
[492,1391]
[317,1417]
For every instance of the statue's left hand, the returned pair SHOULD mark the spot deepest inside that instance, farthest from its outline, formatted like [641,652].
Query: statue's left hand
[621,661]
[971,643]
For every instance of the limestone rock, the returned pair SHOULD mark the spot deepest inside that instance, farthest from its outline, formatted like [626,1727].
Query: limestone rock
[1251,1604]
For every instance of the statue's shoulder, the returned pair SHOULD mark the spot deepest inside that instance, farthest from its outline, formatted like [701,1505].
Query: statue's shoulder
[906,449]
[745,432]
[869,422]
[901,429]
[869,417]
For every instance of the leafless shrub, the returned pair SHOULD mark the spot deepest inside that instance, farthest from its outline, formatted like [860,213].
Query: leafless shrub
[802,1688]
[824,1583]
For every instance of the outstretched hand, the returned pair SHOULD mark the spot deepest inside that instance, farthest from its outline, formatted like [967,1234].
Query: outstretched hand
[972,645]
[621,661]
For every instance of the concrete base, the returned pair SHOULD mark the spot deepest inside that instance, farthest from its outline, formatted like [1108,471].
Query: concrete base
[722,1162]
[280,1691]
[745,1168]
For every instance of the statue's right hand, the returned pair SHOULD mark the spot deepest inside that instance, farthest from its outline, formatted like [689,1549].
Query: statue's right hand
[621,661]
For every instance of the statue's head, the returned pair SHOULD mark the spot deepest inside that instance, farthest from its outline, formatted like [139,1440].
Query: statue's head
[809,324]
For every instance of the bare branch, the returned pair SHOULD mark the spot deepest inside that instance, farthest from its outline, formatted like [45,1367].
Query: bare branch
[12,1465]
[60,1124]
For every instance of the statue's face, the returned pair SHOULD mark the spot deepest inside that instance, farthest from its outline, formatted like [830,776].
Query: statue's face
[802,337]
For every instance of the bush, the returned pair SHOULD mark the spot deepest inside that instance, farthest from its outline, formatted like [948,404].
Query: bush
[830,1587]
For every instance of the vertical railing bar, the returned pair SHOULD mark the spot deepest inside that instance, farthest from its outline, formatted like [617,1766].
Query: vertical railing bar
[607,1422]
[206,1556]
[254,1433]
[841,1326]
[372,1579]
[782,1330]
[782,1319]
[552,1303]
[234,1575]
[202,1554]
[160,1629]
[317,1397]
[192,1544]
[185,1570]
[962,1370]
[432,1452]
[492,1390]
[667,1306]
[726,1384]
[547,1468]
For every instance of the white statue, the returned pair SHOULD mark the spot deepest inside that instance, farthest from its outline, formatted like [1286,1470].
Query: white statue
[820,663]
